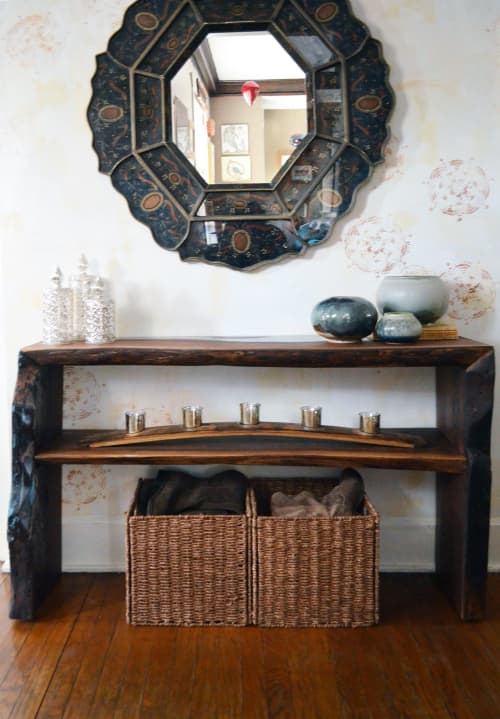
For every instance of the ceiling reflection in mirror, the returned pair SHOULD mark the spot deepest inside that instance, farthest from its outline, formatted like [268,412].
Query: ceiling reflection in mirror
[227,139]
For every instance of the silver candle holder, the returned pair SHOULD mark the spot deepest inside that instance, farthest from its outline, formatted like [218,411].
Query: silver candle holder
[249,413]
[311,417]
[369,422]
[191,416]
[135,421]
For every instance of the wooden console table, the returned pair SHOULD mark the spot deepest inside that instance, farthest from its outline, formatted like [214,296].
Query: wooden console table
[458,449]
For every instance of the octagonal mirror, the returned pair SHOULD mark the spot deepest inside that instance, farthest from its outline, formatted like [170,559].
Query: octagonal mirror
[226,181]
[229,138]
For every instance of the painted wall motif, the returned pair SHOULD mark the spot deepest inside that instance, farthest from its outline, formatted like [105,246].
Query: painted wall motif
[30,38]
[83,485]
[472,291]
[81,395]
[458,188]
[433,207]
[376,245]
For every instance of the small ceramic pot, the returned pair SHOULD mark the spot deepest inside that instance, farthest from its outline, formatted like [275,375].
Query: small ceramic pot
[398,327]
[425,296]
[344,319]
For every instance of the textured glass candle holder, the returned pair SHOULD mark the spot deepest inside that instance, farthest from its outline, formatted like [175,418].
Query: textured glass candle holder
[56,312]
[80,285]
[108,319]
[77,310]
[99,315]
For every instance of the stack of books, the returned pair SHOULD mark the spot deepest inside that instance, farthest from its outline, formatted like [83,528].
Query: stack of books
[439,331]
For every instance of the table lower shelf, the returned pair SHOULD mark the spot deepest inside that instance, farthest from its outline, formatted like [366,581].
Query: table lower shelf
[438,455]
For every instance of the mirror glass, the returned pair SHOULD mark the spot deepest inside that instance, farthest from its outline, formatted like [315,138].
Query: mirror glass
[227,139]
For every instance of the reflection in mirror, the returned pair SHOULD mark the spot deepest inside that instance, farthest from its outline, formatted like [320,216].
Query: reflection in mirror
[226,139]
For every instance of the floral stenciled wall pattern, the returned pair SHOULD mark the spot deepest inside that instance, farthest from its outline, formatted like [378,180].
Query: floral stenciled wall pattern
[83,485]
[81,395]
[31,37]
[459,188]
[472,291]
[376,245]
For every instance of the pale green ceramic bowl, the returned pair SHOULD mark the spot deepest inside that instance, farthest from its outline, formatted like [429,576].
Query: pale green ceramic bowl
[425,296]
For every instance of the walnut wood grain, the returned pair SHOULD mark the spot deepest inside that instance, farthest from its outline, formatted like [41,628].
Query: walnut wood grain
[221,430]
[299,351]
[465,407]
[73,447]
[79,662]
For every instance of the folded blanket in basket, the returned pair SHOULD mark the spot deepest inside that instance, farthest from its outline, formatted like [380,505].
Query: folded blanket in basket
[344,500]
[176,492]
[303,504]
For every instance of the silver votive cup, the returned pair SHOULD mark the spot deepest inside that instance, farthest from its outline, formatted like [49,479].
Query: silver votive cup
[135,421]
[249,412]
[191,416]
[311,417]
[369,422]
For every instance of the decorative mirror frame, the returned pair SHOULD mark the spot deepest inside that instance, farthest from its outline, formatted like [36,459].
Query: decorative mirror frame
[349,101]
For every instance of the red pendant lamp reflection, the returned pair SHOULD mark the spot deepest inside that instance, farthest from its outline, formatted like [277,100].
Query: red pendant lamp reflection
[250,90]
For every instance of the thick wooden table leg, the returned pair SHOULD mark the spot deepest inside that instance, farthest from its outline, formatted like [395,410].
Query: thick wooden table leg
[465,404]
[34,523]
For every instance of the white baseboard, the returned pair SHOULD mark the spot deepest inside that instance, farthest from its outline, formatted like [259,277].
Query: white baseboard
[406,545]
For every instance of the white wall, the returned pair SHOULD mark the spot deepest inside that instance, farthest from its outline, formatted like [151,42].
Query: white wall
[434,206]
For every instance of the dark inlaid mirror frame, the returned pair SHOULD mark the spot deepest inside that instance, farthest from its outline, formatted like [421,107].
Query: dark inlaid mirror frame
[349,100]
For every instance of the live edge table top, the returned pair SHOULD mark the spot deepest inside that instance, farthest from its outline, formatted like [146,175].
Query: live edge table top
[264,351]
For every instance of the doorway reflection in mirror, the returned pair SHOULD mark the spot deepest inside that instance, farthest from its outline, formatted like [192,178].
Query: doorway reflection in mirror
[209,85]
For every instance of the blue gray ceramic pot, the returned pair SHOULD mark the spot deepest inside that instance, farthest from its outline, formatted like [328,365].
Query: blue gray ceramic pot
[398,327]
[425,296]
[344,319]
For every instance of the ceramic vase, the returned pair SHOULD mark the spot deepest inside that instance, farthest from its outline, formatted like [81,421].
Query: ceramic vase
[425,296]
[344,319]
[398,327]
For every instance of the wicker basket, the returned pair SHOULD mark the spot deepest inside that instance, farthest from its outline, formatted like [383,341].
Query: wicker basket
[189,569]
[314,572]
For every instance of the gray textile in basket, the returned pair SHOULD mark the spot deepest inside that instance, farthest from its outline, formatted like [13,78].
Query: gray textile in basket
[177,492]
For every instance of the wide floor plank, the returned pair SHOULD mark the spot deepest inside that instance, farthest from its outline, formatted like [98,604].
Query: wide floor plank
[181,681]
[162,666]
[253,673]
[32,668]
[81,660]
[75,679]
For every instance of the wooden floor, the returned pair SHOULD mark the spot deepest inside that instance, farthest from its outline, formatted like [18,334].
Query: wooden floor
[81,659]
